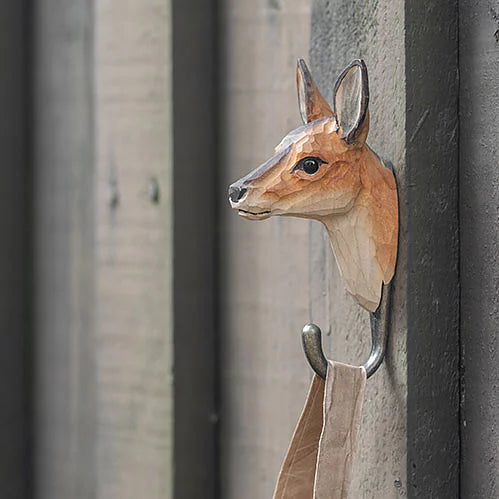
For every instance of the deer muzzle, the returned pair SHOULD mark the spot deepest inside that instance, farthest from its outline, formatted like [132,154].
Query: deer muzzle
[239,200]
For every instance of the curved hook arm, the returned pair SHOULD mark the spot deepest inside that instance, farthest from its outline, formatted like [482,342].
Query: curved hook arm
[312,344]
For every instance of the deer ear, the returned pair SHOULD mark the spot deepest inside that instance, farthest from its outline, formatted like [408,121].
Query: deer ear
[351,100]
[312,104]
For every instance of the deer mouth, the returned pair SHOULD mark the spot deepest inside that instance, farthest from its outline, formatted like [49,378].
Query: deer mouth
[252,215]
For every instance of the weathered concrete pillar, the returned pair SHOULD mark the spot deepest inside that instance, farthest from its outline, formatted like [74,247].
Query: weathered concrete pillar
[479,183]
[15,303]
[342,31]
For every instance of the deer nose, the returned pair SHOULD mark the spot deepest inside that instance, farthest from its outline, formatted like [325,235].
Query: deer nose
[236,193]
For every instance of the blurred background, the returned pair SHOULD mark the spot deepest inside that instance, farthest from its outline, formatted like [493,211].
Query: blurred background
[150,338]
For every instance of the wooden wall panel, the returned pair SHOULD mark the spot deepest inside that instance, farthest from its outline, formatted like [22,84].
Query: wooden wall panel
[479,232]
[267,292]
[103,249]
[195,113]
[264,265]
[134,249]
[15,303]
[63,250]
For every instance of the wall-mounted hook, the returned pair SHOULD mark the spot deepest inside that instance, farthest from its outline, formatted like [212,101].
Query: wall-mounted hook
[380,320]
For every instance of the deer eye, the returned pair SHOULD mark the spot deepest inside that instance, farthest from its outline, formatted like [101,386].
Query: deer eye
[309,165]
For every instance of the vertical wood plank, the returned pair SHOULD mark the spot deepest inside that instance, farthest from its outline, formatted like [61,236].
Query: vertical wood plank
[134,249]
[195,291]
[433,406]
[264,265]
[63,252]
[344,30]
[14,254]
[103,249]
[409,443]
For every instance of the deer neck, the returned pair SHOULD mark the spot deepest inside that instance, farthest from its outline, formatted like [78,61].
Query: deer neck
[364,240]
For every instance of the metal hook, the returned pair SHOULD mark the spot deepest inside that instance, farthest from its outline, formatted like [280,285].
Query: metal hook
[312,344]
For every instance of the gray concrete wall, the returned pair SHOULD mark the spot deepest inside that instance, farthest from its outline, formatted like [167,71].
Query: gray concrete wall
[103,248]
[343,30]
[195,114]
[479,202]
[410,440]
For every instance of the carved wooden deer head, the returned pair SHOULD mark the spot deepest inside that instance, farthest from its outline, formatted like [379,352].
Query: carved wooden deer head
[325,170]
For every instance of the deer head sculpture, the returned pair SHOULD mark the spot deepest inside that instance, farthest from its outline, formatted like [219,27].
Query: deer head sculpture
[325,171]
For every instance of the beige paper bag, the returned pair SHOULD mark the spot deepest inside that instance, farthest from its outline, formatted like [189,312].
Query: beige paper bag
[318,463]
